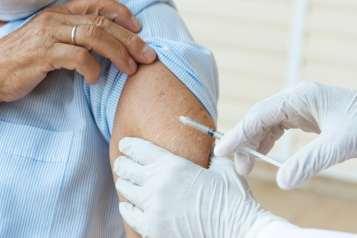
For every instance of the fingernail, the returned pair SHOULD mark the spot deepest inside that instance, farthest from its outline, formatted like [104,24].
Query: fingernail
[149,53]
[136,23]
[133,66]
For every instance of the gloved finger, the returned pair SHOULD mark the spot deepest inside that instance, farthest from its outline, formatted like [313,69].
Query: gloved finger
[131,191]
[244,163]
[309,161]
[251,128]
[134,216]
[128,169]
[142,151]
[272,135]
[294,108]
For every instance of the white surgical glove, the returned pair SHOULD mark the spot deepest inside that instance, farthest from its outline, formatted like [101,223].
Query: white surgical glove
[328,111]
[173,197]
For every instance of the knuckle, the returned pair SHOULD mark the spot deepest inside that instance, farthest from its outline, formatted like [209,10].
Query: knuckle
[93,31]
[45,16]
[124,10]
[46,10]
[95,2]
[81,55]
[40,32]
[100,21]
[132,40]
[54,8]
[121,51]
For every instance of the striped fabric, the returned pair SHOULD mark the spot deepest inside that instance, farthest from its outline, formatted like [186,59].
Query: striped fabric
[55,175]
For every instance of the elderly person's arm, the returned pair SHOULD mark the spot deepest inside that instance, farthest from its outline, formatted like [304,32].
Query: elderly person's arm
[147,106]
[184,81]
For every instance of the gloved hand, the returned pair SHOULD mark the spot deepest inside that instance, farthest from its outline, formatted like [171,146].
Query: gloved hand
[173,197]
[312,107]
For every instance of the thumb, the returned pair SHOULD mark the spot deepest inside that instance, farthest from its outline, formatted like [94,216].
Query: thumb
[315,157]
[134,217]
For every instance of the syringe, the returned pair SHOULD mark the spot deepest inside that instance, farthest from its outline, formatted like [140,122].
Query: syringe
[217,135]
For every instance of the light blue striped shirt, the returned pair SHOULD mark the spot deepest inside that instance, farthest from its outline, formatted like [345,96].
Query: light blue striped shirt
[55,175]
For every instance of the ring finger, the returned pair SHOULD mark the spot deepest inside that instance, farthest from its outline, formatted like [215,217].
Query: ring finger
[92,37]
[136,47]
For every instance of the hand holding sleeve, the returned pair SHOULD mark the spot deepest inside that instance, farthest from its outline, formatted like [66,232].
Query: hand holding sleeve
[312,107]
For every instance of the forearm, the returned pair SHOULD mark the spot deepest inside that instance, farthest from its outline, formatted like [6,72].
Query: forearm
[279,229]
[146,110]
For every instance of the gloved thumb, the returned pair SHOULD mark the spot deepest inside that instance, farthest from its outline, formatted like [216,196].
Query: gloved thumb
[229,142]
[315,157]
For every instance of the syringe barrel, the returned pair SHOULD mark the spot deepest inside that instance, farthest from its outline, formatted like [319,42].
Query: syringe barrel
[200,127]
[217,135]
[197,125]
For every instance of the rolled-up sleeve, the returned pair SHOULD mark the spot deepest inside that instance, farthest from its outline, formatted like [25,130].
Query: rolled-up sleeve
[165,32]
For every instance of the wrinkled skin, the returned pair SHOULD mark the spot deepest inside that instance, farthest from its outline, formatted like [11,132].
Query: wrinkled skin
[44,44]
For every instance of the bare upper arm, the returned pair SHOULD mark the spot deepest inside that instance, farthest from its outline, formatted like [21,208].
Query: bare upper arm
[146,109]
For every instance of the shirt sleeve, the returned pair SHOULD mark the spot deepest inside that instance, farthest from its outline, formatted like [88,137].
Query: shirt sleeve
[165,32]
